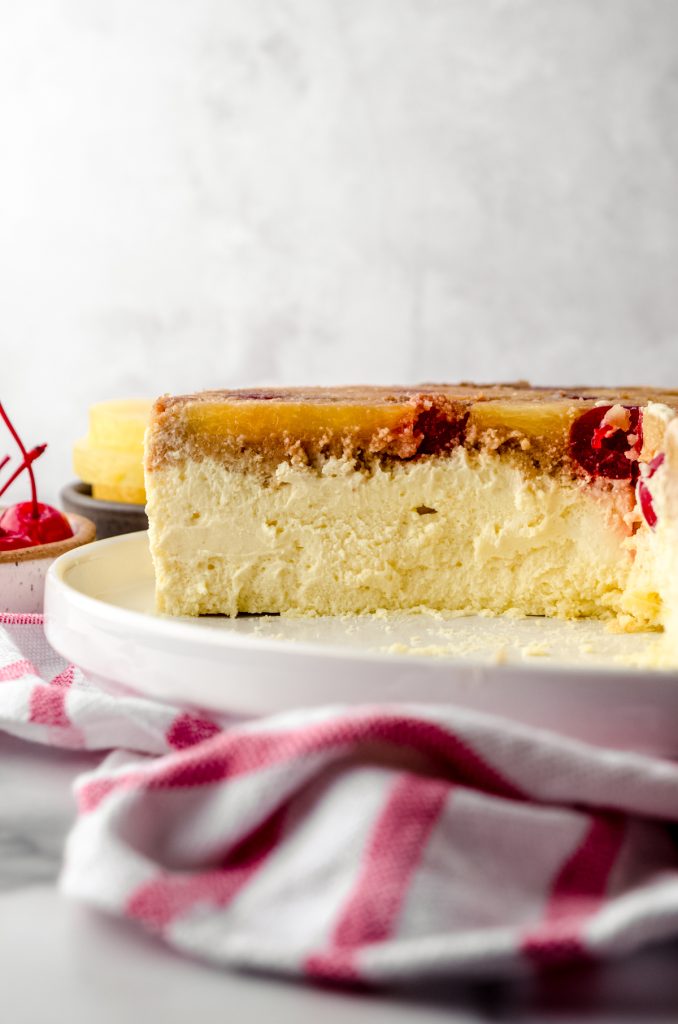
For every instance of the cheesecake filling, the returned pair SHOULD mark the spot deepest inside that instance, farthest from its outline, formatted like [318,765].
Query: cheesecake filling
[467,531]
[656,562]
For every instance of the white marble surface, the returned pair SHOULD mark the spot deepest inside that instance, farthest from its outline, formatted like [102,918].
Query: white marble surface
[201,194]
[59,960]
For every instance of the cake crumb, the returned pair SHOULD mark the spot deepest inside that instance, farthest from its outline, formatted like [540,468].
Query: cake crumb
[536,650]
[396,649]
[433,651]
[501,656]
[427,651]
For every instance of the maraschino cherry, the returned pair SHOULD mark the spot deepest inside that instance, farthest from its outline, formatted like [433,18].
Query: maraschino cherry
[28,523]
[644,496]
[50,525]
[605,449]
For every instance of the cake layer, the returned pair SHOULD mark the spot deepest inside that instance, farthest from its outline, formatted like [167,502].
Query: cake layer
[460,498]
[550,429]
[467,532]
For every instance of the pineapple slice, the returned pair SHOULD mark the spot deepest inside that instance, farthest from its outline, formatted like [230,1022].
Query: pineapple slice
[535,419]
[108,466]
[110,458]
[126,495]
[256,421]
[119,424]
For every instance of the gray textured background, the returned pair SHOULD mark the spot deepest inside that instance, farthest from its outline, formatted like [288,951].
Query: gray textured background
[224,192]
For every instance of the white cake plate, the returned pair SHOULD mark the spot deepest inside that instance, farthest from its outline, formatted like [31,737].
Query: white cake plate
[576,678]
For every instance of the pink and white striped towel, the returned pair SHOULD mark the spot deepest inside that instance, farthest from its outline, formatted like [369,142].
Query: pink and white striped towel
[377,845]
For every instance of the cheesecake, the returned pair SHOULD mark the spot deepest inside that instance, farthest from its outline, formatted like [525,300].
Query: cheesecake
[466,498]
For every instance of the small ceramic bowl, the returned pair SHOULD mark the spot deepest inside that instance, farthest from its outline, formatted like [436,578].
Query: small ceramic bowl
[111,518]
[23,571]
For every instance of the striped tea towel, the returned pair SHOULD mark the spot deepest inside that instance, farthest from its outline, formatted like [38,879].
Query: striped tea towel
[373,845]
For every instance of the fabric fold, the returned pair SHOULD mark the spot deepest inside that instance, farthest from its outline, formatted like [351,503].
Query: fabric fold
[371,845]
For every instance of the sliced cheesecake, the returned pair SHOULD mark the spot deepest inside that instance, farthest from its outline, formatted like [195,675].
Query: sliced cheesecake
[466,498]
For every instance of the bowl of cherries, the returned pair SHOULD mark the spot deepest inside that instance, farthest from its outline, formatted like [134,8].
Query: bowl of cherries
[32,534]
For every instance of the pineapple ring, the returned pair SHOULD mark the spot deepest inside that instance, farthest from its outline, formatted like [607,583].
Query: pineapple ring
[110,458]
[126,495]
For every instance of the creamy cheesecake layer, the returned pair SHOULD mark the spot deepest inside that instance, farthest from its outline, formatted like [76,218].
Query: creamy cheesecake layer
[657,558]
[667,510]
[464,531]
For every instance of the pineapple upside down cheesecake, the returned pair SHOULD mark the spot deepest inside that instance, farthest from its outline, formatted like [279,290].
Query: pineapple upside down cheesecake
[473,498]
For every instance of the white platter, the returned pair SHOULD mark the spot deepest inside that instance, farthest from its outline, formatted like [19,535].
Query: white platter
[572,677]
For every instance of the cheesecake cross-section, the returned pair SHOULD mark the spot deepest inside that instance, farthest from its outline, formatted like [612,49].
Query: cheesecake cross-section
[452,497]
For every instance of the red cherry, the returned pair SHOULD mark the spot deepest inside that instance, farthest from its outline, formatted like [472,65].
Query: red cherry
[646,505]
[654,465]
[604,450]
[49,526]
[12,541]
[643,492]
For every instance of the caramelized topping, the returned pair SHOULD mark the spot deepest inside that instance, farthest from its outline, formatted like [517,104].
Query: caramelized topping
[547,428]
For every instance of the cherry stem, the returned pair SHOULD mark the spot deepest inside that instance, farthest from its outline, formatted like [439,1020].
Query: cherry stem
[26,465]
[4,462]
[31,456]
